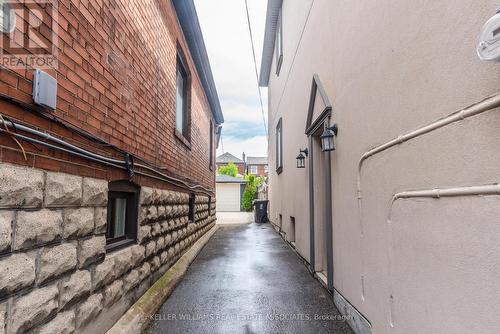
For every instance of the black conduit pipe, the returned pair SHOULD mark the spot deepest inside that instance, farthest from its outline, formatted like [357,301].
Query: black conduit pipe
[82,153]
[51,138]
[36,141]
[40,111]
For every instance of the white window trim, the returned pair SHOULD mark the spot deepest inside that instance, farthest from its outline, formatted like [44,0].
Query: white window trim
[279,43]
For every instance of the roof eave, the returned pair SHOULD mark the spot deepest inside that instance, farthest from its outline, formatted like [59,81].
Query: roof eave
[273,9]
[226,182]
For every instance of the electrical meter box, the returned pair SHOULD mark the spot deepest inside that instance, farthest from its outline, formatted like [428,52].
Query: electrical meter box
[489,40]
[44,90]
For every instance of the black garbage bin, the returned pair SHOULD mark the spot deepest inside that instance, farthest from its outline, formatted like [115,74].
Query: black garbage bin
[260,212]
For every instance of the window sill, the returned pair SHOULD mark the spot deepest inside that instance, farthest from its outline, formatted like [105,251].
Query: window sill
[182,139]
[119,245]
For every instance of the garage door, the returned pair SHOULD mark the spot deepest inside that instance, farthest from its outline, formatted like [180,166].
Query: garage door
[228,197]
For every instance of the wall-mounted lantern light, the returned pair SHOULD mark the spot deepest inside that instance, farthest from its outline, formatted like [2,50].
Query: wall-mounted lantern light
[301,158]
[327,138]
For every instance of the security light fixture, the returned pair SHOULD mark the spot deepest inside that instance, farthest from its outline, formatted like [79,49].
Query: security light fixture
[327,138]
[301,158]
[489,41]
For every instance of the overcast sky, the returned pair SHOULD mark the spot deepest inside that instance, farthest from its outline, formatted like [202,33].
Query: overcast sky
[225,29]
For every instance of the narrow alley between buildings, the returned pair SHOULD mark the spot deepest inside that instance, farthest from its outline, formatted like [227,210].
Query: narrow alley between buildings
[248,280]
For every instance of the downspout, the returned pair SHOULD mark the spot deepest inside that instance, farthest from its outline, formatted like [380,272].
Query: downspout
[329,223]
[311,207]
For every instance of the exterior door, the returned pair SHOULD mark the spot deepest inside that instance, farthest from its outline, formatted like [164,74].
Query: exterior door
[320,190]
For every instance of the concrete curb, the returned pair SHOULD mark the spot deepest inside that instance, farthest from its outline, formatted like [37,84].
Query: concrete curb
[137,318]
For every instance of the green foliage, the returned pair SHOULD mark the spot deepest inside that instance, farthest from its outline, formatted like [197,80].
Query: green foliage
[248,197]
[252,183]
[230,170]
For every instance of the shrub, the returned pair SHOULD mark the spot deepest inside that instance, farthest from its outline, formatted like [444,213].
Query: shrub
[230,170]
[248,197]
[252,183]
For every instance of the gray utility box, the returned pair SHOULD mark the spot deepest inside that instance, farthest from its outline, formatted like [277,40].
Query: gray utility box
[44,90]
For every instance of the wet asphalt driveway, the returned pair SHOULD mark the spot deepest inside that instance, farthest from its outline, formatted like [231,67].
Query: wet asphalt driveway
[247,280]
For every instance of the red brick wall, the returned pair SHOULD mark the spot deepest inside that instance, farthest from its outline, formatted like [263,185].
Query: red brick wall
[116,80]
[260,170]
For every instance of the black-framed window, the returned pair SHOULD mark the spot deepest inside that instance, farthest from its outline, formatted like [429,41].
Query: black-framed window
[209,205]
[211,148]
[123,201]
[279,42]
[279,146]
[192,203]
[182,99]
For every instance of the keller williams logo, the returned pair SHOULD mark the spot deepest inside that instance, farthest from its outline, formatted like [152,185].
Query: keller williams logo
[29,33]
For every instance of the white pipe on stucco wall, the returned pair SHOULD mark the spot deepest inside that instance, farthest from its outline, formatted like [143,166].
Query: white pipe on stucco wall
[485,105]
[485,190]
[493,189]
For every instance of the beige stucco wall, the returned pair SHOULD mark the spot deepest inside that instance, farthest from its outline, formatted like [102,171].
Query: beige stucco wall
[389,68]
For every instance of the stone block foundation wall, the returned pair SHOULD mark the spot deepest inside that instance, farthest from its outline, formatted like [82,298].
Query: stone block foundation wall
[55,274]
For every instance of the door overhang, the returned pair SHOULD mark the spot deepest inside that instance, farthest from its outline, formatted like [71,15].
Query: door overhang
[312,125]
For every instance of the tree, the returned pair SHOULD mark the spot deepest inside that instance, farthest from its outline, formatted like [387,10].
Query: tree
[230,170]
[252,183]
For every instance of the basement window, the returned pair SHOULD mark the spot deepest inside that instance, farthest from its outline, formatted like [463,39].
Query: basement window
[209,205]
[191,208]
[291,237]
[123,200]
